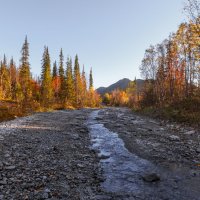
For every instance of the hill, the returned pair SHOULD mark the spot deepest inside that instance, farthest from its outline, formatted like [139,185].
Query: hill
[121,84]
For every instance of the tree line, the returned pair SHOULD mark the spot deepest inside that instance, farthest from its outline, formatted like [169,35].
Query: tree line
[172,68]
[171,72]
[63,86]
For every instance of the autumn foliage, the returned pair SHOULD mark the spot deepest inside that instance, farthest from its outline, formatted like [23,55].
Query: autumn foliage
[63,87]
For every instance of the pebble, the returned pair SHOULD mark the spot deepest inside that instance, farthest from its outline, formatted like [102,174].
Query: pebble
[190,132]
[174,137]
[4,182]
[10,167]
[198,150]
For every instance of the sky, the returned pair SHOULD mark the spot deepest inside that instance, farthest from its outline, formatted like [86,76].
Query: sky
[108,35]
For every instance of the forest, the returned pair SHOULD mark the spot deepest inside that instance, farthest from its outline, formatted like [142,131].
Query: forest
[171,73]
[61,138]
[63,86]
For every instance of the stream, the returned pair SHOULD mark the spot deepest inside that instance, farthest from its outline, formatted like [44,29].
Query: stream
[125,173]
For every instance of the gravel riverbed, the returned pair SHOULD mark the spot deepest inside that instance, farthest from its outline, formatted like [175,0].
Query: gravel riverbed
[89,154]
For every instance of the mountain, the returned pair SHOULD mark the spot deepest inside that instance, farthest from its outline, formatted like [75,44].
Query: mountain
[121,84]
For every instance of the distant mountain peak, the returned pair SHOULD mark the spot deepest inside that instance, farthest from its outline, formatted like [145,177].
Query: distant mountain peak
[121,84]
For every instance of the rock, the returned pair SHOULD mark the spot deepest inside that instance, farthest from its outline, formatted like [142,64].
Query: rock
[47,190]
[198,150]
[174,137]
[10,167]
[99,118]
[75,136]
[102,197]
[80,166]
[190,132]
[1,165]
[1,138]
[44,177]
[4,182]
[7,155]
[1,197]
[151,177]
[104,157]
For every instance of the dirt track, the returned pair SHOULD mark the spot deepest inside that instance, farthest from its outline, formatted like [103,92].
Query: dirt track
[67,155]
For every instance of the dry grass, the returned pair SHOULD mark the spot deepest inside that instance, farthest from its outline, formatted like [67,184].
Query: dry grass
[9,110]
[186,111]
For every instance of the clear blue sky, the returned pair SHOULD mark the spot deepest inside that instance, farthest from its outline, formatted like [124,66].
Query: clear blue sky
[108,35]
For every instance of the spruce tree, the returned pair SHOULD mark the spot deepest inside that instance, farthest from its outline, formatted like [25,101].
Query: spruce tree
[55,70]
[70,83]
[24,71]
[91,80]
[83,89]
[77,81]
[46,89]
[55,80]
[13,78]
[5,79]
[62,94]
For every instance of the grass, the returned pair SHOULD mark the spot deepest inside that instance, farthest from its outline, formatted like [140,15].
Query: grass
[185,111]
[9,110]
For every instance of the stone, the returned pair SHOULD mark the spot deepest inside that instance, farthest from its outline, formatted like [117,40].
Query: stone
[103,157]
[174,137]
[198,150]
[4,182]
[151,177]
[7,155]
[10,167]
[190,132]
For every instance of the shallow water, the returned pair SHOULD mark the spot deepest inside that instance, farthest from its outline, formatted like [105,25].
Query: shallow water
[123,171]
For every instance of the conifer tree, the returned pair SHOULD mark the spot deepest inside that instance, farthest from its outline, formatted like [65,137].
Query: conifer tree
[5,79]
[77,81]
[55,80]
[83,89]
[55,70]
[24,73]
[46,89]
[69,83]
[62,77]
[13,78]
[91,80]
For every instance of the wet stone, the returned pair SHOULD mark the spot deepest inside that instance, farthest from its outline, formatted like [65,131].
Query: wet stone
[103,157]
[151,177]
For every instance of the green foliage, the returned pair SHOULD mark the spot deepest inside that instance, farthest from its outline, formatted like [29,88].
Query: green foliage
[5,81]
[56,90]
[70,92]
[46,86]
[55,70]
[62,91]
[91,80]
[24,72]
[77,82]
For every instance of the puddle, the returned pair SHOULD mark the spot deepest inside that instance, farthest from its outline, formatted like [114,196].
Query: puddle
[123,170]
